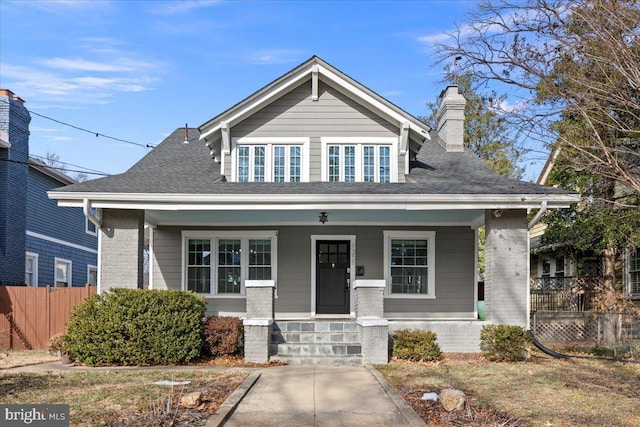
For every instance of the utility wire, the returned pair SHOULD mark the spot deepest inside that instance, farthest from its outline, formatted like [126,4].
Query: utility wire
[86,170]
[97,134]
[61,169]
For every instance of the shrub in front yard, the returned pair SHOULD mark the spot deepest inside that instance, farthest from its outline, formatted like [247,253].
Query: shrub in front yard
[223,336]
[416,345]
[504,343]
[136,327]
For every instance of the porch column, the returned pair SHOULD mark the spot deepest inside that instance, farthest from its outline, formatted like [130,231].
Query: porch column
[121,249]
[506,289]
[374,329]
[259,322]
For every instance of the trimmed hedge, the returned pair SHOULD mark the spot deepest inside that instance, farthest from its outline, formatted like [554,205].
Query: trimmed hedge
[223,336]
[136,327]
[416,345]
[504,343]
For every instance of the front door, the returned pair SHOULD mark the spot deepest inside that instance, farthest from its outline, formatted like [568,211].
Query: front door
[332,276]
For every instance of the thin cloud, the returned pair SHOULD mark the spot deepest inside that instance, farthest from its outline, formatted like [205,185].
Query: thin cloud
[182,7]
[392,93]
[79,64]
[274,56]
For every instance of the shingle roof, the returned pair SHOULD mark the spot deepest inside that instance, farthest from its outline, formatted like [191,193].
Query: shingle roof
[177,168]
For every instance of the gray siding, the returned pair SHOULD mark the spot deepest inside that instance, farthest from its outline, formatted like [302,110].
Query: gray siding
[334,114]
[454,269]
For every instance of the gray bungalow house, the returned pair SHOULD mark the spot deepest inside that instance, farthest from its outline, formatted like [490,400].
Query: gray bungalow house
[324,216]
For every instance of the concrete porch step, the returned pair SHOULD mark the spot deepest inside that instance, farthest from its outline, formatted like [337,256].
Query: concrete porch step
[321,342]
[352,360]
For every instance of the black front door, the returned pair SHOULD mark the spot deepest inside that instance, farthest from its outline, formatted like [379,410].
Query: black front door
[332,277]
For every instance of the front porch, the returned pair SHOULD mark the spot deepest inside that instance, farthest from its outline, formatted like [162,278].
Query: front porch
[380,277]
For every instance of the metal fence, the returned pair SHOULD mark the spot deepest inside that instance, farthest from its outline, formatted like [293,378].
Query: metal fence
[588,329]
[575,293]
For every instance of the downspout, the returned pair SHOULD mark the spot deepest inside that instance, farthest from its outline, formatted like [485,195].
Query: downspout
[536,218]
[89,215]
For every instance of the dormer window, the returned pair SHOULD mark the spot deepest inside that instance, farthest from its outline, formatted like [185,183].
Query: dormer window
[359,159]
[258,159]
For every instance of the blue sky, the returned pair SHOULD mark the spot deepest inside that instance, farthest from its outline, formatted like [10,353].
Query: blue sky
[137,70]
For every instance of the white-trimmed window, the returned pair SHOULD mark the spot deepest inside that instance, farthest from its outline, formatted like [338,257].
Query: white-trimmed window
[633,273]
[217,263]
[31,269]
[62,273]
[409,263]
[92,275]
[359,159]
[258,159]
[90,226]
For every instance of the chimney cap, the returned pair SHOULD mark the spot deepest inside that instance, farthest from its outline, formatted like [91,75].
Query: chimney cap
[6,92]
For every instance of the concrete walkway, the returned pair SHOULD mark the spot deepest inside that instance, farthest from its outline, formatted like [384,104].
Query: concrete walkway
[300,396]
[319,396]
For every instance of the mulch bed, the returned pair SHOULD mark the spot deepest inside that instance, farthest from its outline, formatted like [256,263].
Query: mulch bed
[472,416]
[159,416]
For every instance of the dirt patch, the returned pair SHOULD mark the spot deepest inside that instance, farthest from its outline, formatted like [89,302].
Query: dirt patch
[16,358]
[472,416]
[161,414]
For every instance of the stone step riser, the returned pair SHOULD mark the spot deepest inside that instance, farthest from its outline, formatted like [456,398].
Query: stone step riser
[310,326]
[340,361]
[315,337]
[319,350]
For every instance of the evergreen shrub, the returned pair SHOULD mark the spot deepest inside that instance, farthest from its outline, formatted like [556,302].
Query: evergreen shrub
[504,343]
[416,345]
[136,327]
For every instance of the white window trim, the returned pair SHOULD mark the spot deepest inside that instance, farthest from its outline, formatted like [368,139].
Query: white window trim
[56,260]
[269,143]
[34,273]
[352,266]
[359,142]
[89,268]
[430,236]
[627,274]
[243,235]
[552,266]
[93,211]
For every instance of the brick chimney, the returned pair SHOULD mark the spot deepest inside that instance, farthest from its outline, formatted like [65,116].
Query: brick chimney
[14,172]
[450,118]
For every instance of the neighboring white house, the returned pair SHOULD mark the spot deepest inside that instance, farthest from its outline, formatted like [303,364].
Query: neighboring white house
[315,205]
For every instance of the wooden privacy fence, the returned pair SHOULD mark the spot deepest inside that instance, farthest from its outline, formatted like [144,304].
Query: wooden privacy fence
[29,316]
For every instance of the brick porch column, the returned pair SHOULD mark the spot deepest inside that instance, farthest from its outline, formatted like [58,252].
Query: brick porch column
[121,249]
[259,321]
[374,329]
[506,291]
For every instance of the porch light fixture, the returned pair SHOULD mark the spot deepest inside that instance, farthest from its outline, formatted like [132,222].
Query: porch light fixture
[323,217]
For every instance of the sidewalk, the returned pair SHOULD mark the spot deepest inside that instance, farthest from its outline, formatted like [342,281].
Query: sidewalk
[319,396]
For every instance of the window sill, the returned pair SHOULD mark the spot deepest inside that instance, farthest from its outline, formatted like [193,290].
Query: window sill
[409,296]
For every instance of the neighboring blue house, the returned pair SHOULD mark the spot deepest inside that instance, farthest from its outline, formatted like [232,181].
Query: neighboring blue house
[40,243]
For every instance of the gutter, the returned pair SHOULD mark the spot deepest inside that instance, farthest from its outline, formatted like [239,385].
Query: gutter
[87,213]
[536,218]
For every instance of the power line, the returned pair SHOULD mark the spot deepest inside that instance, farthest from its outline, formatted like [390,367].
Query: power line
[61,169]
[97,134]
[86,170]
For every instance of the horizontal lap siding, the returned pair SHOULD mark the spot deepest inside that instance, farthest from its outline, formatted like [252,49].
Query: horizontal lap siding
[296,115]
[454,267]
[167,258]
[455,263]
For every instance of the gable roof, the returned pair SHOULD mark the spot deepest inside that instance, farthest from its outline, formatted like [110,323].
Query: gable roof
[312,69]
[179,176]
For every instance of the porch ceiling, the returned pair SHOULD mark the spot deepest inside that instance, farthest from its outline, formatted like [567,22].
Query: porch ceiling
[471,217]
